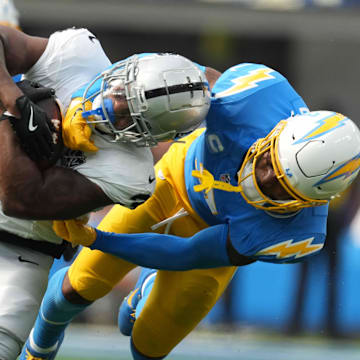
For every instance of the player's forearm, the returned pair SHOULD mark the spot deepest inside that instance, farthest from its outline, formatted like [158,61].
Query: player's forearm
[9,92]
[206,249]
[18,174]
[18,53]
[28,193]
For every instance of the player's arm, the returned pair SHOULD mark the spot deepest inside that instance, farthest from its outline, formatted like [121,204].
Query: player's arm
[28,193]
[18,53]
[206,249]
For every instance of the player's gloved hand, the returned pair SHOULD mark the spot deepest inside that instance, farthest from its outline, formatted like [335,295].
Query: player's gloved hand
[75,231]
[34,91]
[34,129]
[75,130]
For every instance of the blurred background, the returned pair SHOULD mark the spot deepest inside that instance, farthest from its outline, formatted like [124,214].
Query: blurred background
[316,45]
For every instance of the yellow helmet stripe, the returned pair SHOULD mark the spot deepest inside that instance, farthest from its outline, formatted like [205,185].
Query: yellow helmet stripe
[345,170]
[325,125]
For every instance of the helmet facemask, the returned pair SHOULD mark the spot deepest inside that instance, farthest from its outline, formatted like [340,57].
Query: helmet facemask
[111,112]
[314,156]
[248,181]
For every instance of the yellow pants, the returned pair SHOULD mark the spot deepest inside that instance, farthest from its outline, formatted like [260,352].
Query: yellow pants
[178,300]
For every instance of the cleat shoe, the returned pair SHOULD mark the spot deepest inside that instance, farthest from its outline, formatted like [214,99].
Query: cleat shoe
[29,353]
[127,311]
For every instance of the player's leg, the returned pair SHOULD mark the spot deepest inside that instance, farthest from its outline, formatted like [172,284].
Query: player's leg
[70,290]
[92,275]
[177,302]
[162,205]
[23,281]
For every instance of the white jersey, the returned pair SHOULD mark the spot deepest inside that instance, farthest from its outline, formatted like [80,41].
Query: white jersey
[71,59]
[124,172]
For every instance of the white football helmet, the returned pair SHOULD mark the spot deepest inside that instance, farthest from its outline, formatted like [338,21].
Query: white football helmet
[166,95]
[315,156]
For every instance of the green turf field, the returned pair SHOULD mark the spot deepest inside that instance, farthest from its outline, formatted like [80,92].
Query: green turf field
[246,344]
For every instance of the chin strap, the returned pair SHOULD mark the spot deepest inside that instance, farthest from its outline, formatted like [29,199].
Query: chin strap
[207,182]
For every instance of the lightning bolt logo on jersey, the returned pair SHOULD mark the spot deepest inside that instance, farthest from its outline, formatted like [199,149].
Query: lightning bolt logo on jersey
[291,249]
[248,101]
[247,81]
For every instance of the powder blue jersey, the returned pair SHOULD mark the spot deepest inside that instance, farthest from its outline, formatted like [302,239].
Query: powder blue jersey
[248,101]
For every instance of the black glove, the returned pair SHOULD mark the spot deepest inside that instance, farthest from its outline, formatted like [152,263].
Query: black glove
[34,91]
[34,129]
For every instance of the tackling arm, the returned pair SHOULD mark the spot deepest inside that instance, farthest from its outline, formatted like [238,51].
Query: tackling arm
[57,193]
[206,249]
[209,248]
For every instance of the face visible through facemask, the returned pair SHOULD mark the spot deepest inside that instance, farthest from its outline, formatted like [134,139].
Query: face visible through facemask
[266,180]
[116,107]
[122,117]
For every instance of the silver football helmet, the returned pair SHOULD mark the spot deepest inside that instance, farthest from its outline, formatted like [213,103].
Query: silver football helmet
[315,157]
[144,100]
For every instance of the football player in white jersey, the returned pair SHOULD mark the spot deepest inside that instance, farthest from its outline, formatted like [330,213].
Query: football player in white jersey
[120,172]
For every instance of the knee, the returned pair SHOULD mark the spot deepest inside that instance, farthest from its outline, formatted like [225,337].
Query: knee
[70,294]
[196,298]
[10,346]
[82,287]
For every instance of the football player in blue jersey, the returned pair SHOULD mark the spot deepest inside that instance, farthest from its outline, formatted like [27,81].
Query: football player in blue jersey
[253,186]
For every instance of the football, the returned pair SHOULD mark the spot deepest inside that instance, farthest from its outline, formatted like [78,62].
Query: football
[52,109]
